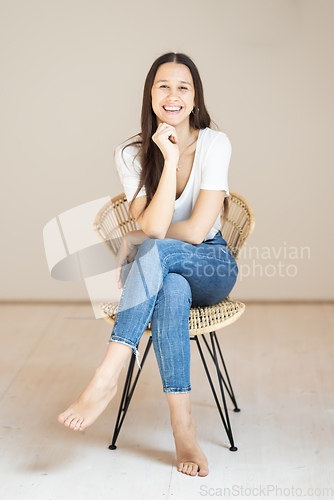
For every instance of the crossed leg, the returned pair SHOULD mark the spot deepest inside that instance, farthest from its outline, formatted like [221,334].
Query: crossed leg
[103,388]
[100,390]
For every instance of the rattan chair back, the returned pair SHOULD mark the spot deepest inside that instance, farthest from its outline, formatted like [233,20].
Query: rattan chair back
[114,220]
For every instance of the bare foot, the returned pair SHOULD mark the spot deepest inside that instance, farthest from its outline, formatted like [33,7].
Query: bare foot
[190,457]
[94,399]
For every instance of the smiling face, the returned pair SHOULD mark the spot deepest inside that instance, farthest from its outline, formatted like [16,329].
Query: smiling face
[173,88]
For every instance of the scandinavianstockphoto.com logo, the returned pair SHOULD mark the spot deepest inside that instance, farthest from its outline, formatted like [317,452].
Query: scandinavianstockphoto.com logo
[272,262]
[254,261]
[269,490]
[75,253]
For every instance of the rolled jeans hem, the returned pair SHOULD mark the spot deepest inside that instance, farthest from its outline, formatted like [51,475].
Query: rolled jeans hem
[177,391]
[128,343]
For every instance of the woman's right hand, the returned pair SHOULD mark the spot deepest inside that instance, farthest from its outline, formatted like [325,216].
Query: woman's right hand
[166,139]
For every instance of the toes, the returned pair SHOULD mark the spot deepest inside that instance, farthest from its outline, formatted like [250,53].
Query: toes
[203,472]
[191,469]
[70,420]
[194,470]
[74,422]
[185,469]
[182,467]
[66,416]
[61,418]
[77,425]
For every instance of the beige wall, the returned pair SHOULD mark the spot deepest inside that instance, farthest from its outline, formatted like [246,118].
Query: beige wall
[71,89]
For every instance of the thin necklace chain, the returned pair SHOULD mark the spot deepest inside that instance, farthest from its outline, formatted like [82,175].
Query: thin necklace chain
[189,144]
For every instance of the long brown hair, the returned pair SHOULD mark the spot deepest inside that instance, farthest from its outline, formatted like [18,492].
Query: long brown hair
[152,160]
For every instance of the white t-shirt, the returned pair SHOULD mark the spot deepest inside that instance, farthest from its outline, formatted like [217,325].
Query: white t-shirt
[209,171]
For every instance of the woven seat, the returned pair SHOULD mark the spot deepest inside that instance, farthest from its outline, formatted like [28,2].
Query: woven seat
[202,319]
[112,222]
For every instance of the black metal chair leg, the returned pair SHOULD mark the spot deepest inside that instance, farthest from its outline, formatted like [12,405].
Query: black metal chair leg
[229,387]
[128,393]
[220,378]
[225,419]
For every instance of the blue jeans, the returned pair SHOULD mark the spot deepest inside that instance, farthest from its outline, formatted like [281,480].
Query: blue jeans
[164,280]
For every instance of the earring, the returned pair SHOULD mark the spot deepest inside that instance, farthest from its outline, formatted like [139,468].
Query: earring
[193,112]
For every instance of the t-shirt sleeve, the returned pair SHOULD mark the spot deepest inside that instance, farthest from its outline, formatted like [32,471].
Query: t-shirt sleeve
[216,163]
[128,172]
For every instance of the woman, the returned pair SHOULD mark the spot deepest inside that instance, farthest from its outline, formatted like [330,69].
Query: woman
[179,258]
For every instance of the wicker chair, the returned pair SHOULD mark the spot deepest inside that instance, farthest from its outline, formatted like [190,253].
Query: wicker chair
[111,223]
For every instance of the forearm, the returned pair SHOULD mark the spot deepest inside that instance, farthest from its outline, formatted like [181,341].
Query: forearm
[157,216]
[184,231]
[136,237]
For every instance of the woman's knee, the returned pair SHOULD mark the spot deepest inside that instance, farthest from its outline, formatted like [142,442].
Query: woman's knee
[175,288]
[147,248]
[150,244]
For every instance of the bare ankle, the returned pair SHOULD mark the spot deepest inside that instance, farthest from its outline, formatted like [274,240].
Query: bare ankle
[110,377]
[183,422]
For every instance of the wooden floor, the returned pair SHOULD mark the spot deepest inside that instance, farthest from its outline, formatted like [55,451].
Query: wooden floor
[280,361]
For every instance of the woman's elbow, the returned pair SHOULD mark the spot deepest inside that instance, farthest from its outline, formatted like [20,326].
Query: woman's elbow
[195,234]
[149,230]
[196,240]
[154,233]
[157,236]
